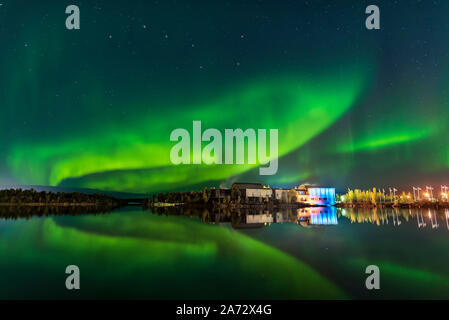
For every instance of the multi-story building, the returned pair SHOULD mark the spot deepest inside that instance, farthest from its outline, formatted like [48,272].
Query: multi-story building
[253,191]
[310,195]
[319,196]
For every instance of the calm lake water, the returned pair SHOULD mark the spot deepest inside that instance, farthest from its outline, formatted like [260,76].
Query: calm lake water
[310,253]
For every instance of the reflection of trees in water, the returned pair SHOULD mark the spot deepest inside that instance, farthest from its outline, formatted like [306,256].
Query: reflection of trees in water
[378,216]
[394,216]
[18,212]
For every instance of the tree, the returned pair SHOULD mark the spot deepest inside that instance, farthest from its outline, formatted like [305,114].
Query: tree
[205,195]
[235,191]
[374,196]
[291,195]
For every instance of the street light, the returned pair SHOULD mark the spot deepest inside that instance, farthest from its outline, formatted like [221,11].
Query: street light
[444,190]
[430,193]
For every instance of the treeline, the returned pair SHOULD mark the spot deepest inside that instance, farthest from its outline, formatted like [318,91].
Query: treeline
[374,198]
[201,197]
[31,196]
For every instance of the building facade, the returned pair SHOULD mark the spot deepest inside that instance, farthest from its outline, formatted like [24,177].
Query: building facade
[321,196]
[254,192]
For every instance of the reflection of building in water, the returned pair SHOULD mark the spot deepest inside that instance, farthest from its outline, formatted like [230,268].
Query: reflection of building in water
[318,216]
[250,221]
[288,216]
[259,218]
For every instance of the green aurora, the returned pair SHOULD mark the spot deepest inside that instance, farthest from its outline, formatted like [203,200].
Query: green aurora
[286,104]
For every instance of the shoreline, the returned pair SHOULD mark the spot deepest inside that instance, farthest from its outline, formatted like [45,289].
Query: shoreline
[271,206]
[420,205]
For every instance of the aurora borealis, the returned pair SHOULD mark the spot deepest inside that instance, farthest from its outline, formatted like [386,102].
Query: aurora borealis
[94,108]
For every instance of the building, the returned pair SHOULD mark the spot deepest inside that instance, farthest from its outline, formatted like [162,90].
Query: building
[302,194]
[252,191]
[281,194]
[321,196]
[317,196]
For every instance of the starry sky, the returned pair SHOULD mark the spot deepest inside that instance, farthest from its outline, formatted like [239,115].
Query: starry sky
[94,108]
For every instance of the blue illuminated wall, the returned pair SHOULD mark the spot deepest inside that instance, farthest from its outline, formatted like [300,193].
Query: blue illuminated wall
[327,216]
[322,196]
[318,215]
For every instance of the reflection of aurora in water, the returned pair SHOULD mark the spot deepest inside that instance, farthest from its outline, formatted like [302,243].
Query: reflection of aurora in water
[140,254]
[143,255]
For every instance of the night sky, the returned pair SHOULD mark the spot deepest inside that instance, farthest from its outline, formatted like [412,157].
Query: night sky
[94,108]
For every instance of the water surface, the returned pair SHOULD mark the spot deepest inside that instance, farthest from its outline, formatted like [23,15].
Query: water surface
[310,253]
